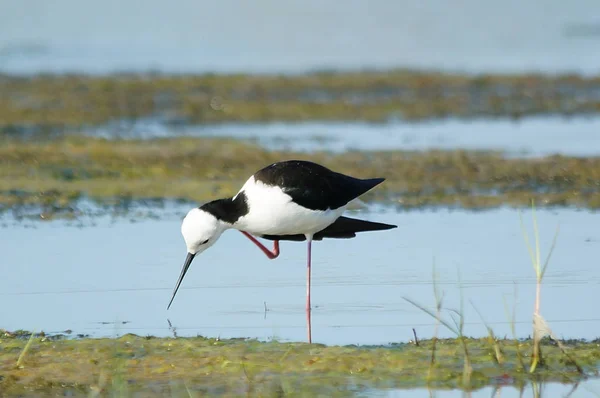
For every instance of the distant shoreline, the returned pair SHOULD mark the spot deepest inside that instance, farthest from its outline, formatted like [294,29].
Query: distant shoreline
[68,101]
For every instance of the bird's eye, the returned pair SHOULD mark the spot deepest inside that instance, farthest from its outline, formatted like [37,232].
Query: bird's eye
[205,242]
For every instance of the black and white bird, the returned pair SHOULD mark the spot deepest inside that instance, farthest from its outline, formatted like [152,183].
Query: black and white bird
[293,200]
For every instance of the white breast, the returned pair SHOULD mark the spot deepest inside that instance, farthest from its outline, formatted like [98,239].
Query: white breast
[272,212]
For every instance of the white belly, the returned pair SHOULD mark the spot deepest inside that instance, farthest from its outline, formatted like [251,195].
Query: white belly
[272,212]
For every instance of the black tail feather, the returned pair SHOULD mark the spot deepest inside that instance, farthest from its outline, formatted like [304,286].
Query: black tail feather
[342,228]
[346,227]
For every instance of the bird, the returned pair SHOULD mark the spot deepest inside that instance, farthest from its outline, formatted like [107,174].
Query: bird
[291,200]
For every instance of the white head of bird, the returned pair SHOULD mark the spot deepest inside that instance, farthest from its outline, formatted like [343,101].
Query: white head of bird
[200,230]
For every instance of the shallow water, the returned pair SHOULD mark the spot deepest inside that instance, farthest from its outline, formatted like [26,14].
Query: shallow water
[295,36]
[586,389]
[117,277]
[533,136]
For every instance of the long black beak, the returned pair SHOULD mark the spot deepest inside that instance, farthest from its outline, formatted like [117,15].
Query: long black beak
[186,265]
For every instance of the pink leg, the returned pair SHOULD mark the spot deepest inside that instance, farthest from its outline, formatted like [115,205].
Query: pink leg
[271,254]
[308,309]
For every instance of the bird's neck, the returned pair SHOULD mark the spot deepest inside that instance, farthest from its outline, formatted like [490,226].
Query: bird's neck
[228,210]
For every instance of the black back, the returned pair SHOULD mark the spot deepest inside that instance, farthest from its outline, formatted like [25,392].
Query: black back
[314,186]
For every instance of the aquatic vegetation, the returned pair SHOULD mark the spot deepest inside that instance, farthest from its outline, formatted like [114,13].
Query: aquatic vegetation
[457,328]
[498,353]
[55,174]
[46,102]
[540,327]
[133,364]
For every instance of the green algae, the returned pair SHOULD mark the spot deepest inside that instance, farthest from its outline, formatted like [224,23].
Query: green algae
[243,366]
[54,175]
[47,102]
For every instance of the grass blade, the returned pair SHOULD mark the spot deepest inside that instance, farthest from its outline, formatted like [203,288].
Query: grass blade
[527,243]
[536,235]
[25,349]
[550,252]
[432,314]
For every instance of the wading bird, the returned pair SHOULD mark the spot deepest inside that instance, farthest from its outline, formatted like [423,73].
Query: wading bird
[293,200]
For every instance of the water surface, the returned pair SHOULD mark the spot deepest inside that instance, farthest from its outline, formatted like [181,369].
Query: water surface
[296,36]
[586,389]
[532,136]
[117,277]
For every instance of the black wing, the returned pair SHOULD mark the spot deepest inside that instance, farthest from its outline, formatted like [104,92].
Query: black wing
[342,228]
[313,186]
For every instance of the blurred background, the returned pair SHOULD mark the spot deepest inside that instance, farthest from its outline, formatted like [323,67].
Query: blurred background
[472,36]
[116,117]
